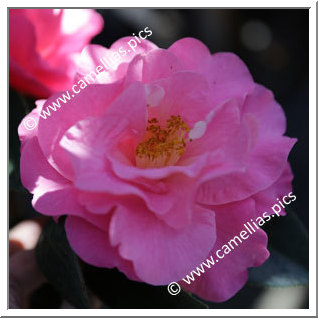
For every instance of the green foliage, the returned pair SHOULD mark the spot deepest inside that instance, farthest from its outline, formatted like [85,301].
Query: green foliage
[288,263]
[60,265]
[62,269]
[114,289]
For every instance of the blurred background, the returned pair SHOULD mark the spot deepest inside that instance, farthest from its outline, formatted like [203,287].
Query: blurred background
[274,45]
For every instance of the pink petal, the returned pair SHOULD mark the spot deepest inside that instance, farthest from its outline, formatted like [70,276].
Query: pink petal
[99,203]
[155,65]
[25,82]
[76,29]
[53,194]
[186,94]
[227,74]
[31,120]
[47,62]
[262,105]
[228,77]
[191,52]
[176,251]
[228,275]
[93,56]
[46,23]
[93,247]
[265,199]
[222,125]
[52,129]
[18,39]
[263,167]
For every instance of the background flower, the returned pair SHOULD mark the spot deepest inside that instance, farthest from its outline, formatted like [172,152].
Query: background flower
[44,44]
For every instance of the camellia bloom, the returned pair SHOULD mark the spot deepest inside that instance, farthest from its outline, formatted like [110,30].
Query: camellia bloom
[44,45]
[161,164]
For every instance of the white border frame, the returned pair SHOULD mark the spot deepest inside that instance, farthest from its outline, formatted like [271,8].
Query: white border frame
[312,160]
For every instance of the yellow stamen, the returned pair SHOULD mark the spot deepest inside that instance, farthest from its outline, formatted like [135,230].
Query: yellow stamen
[162,146]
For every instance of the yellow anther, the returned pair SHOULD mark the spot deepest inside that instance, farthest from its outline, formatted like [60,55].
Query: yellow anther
[163,146]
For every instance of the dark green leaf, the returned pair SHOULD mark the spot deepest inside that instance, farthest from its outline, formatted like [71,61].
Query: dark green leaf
[60,265]
[20,206]
[279,271]
[116,291]
[288,235]
[16,113]
[19,106]
[11,166]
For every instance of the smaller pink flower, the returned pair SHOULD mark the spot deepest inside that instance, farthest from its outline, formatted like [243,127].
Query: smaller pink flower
[43,47]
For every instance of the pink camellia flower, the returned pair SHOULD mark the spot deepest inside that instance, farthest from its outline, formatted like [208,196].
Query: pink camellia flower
[161,164]
[44,44]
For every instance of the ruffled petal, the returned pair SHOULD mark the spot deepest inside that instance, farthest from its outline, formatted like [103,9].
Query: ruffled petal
[176,251]
[229,274]
[93,247]
[49,188]
[52,129]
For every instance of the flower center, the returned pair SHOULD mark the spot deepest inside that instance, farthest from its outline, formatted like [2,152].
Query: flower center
[162,146]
